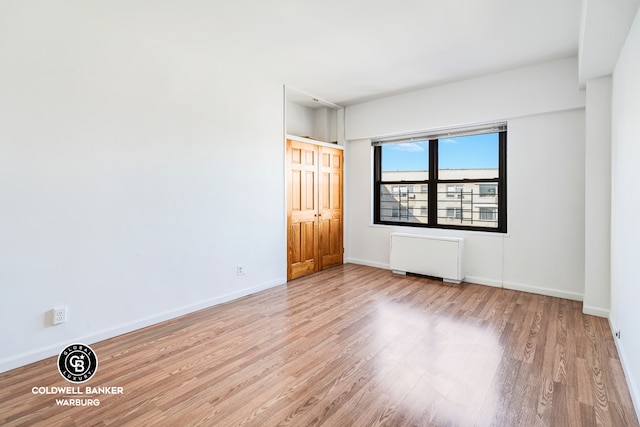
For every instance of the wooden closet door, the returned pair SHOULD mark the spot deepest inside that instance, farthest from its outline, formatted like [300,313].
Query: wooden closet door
[302,209]
[330,207]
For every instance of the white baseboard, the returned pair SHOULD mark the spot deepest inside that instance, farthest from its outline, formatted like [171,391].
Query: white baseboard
[367,263]
[626,369]
[52,350]
[491,282]
[595,311]
[544,291]
[482,281]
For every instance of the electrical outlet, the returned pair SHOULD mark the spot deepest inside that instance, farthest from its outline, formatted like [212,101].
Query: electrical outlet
[59,315]
[240,270]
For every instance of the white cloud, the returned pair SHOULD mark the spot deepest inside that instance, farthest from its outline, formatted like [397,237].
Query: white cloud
[408,146]
[449,141]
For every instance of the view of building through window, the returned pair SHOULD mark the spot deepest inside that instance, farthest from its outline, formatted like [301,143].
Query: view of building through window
[458,177]
[471,202]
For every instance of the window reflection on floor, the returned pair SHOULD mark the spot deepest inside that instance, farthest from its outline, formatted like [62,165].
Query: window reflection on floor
[432,363]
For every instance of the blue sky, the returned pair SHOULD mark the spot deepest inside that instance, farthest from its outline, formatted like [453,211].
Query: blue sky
[466,152]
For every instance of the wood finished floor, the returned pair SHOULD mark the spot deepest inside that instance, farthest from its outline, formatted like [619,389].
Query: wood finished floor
[351,346]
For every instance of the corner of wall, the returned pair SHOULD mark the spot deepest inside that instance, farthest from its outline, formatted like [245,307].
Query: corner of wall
[626,368]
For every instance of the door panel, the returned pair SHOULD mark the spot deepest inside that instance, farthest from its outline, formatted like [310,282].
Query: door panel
[309,193]
[331,210]
[295,194]
[302,219]
[302,249]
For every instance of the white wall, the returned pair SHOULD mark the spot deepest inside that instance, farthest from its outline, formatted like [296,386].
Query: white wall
[300,120]
[625,227]
[319,123]
[131,171]
[544,248]
[541,88]
[326,124]
[597,204]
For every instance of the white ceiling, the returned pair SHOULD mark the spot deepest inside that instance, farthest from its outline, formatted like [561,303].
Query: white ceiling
[345,51]
[351,50]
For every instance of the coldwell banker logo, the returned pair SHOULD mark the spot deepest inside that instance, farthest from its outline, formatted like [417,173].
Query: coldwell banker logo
[77,363]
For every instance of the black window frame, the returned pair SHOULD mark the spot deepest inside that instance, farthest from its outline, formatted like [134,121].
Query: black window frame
[432,186]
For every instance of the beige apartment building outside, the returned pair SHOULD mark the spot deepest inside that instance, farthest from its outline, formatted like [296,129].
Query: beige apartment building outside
[468,203]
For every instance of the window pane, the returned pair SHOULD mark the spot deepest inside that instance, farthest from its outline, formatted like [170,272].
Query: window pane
[405,162]
[403,203]
[488,214]
[468,157]
[468,204]
[488,190]
[454,191]
[454,213]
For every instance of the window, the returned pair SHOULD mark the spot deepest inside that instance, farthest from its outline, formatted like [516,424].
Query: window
[450,179]
[487,213]
[488,190]
[455,191]
[454,213]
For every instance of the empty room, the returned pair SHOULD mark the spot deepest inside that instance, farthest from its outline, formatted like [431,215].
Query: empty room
[337,213]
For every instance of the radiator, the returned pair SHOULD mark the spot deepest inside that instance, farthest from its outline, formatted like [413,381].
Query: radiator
[428,255]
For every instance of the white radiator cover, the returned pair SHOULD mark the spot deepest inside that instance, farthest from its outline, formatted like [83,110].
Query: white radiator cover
[428,255]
